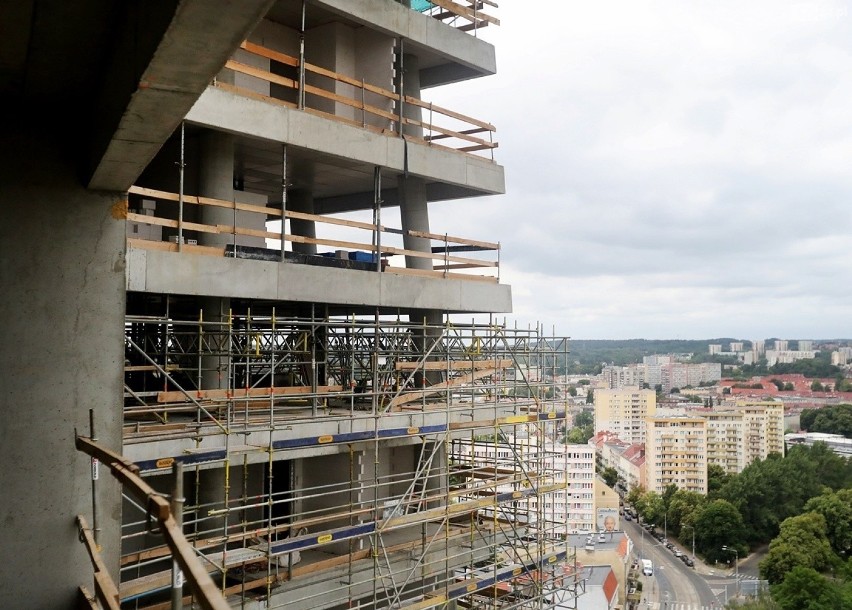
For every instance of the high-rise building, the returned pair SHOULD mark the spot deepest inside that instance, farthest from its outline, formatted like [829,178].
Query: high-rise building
[221,281]
[676,453]
[623,412]
[763,427]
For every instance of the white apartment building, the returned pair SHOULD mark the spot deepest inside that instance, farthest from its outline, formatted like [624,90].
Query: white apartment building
[623,412]
[763,427]
[726,439]
[568,510]
[774,357]
[676,453]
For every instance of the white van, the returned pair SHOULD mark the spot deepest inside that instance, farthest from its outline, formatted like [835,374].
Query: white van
[647,567]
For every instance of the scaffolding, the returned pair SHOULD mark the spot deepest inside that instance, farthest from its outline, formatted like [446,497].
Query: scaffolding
[336,460]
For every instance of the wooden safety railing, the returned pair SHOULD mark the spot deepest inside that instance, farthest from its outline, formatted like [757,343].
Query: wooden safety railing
[467,16]
[446,262]
[381,113]
[205,590]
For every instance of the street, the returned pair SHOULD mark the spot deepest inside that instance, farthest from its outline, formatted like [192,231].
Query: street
[674,586]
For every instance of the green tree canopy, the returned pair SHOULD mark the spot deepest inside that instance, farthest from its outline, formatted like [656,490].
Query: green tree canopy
[836,508]
[716,479]
[610,476]
[585,418]
[719,524]
[805,589]
[803,542]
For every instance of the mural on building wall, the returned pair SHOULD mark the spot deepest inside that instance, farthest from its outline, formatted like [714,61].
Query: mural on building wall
[608,520]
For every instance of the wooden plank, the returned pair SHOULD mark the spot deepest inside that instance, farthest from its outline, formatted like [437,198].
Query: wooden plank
[261,74]
[453,365]
[465,131]
[253,94]
[352,81]
[450,113]
[477,25]
[167,246]
[350,102]
[237,393]
[456,240]
[441,274]
[449,133]
[270,54]
[463,11]
[439,387]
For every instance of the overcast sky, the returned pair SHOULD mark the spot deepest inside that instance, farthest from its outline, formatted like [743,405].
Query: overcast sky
[674,169]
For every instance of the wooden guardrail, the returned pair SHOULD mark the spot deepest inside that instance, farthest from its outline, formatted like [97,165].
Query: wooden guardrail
[457,131]
[444,252]
[466,16]
[205,590]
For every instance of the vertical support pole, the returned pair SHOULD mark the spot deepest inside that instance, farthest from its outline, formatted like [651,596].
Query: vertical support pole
[95,471]
[400,89]
[181,168]
[283,198]
[177,513]
[377,214]
[302,58]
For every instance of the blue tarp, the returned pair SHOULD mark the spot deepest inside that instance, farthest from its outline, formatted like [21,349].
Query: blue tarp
[421,5]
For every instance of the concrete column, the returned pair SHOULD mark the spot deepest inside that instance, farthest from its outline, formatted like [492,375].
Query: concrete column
[302,200]
[411,87]
[216,180]
[62,259]
[413,208]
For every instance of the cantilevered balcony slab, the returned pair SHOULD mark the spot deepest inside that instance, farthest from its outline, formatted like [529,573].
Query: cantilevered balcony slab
[447,53]
[161,272]
[460,174]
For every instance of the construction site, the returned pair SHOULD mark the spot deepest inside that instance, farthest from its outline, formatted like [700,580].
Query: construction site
[270,384]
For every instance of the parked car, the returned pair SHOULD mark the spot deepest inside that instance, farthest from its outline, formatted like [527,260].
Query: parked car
[688,561]
[669,546]
[678,553]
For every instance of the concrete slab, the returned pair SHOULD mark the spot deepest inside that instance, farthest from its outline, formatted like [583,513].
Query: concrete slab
[193,47]
[173,273]
[227,111]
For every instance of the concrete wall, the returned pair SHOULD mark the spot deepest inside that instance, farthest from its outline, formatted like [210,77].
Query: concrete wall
[62,259]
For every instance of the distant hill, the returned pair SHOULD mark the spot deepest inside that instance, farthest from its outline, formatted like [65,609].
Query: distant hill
[587,355]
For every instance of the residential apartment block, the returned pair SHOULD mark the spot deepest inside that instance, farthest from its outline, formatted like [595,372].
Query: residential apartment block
[623,411]
[763,428]
[568,510]
[676,453]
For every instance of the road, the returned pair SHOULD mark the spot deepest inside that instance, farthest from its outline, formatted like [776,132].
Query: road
[674,586]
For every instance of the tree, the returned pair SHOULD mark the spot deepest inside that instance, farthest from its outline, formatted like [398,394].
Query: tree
[719,524]
[579,436]
[683,508]
[716,479]
[803,541]
[806,419]
[650,507]
[836,508]
[584,418]
[635,495]
[816,386]
[805,589]
[610,476]
[572,390]
[590,397]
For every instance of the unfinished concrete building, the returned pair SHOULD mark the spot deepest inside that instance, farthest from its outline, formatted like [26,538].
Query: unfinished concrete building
[221,286]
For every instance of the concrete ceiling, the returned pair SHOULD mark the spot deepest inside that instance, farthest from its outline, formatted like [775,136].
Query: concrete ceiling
[114,79]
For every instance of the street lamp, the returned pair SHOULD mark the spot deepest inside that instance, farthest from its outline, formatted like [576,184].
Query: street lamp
[736,567]
[693,540]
